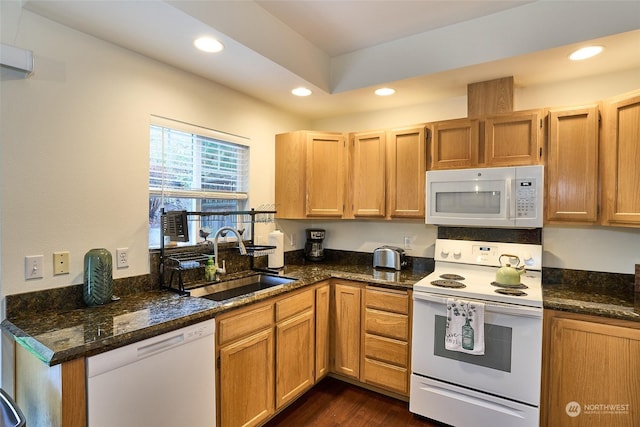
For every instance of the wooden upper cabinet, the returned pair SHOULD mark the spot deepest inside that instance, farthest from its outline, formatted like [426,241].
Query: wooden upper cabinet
[310,171]
[325,174]
[367,174]
[513,139]
[572,164]
[406,172]
[620,151]
[454,144]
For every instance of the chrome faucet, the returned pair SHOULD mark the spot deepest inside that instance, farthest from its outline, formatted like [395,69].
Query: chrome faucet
[223,232]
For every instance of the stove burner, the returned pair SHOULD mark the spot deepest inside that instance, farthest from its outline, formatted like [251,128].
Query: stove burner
[449,276]
[448,284]
[511,292]
[518,286]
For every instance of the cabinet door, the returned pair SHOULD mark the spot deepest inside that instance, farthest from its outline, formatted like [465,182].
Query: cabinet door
[454,144]
[572,165]
[346,326]
[295,357]
[290,164]
[621,160]
[325,175]
[322,331]
[247,380]
[367,174]
[593,366]
[513,139]
[406,169]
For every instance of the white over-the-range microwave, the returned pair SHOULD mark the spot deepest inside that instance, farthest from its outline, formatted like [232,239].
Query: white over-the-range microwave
[486,197]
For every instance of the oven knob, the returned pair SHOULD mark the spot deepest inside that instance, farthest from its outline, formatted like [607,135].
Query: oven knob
[444,253]
[457,254]
[528,259]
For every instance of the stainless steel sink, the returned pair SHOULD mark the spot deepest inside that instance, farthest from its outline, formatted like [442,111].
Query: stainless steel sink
[236,287]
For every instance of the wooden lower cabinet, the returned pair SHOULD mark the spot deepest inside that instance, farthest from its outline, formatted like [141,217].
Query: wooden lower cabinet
[272,352]
[386,332]
[591,371]
[323,302]
[295,346]
[371,335]
[346,329]
[246,366]
[266,357]
[246,380]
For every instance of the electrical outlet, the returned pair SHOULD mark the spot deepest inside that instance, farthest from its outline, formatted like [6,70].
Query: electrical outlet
[33,267]
[407,242]
[122,257]
[61,263]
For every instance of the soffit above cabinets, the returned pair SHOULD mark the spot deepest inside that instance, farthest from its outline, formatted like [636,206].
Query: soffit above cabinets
[342,50]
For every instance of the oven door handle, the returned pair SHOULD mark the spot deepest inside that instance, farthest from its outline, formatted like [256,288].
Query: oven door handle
[494,307]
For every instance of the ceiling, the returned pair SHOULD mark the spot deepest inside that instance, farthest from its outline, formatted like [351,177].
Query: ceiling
[426,49]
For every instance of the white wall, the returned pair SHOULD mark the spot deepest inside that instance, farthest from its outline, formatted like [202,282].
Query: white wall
[74,156]
[75,136]
[612,249]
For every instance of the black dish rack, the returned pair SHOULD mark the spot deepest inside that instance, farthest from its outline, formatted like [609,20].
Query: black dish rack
[175,226]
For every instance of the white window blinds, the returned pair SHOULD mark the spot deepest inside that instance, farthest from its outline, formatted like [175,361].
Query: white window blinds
[190,162]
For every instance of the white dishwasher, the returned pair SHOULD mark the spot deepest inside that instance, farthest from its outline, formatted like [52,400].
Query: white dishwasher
[164,381]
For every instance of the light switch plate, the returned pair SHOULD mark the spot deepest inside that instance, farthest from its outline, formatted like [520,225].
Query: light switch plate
[33,267]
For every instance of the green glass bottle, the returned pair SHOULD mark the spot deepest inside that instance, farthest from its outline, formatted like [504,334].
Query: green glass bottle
[467,335]
[98,277]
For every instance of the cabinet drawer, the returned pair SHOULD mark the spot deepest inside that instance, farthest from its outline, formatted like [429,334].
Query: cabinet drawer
[387,300]
[295,304]
[386,350]
[243,324]
[391,325]
[386,376]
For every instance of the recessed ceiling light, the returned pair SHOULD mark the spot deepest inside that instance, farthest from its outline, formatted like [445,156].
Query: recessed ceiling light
[301,91]
[208,44]
[385,91]
[585,53]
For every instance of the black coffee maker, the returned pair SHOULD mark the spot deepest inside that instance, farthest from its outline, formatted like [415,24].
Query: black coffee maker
[313,250]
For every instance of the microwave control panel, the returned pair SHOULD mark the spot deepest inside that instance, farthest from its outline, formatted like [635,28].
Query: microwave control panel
[526,198]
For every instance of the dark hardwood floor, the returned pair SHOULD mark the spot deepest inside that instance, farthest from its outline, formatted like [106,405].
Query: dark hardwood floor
[336,403]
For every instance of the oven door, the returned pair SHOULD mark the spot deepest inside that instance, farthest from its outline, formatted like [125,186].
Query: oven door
[511,365]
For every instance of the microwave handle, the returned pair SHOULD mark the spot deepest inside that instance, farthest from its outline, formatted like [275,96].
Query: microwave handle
[508,200]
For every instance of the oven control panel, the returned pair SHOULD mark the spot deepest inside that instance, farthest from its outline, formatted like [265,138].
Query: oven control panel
[489,253]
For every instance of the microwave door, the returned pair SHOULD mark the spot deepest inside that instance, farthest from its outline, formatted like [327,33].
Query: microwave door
[470,202]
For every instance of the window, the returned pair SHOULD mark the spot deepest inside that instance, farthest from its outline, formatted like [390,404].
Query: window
[195,169]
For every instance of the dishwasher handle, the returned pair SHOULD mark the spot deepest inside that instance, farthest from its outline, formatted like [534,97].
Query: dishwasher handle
[122,356]
[148,350]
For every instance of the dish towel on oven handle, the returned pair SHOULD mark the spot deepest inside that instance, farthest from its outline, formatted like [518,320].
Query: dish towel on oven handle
[465,326]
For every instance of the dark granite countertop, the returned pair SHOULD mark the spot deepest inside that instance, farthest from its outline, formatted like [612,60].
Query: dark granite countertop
[58,336]
[610,302]
[590,292]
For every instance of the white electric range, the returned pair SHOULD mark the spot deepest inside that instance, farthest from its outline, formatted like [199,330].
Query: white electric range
[501,386]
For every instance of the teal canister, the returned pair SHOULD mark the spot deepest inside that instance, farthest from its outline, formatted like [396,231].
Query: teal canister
[98,277]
